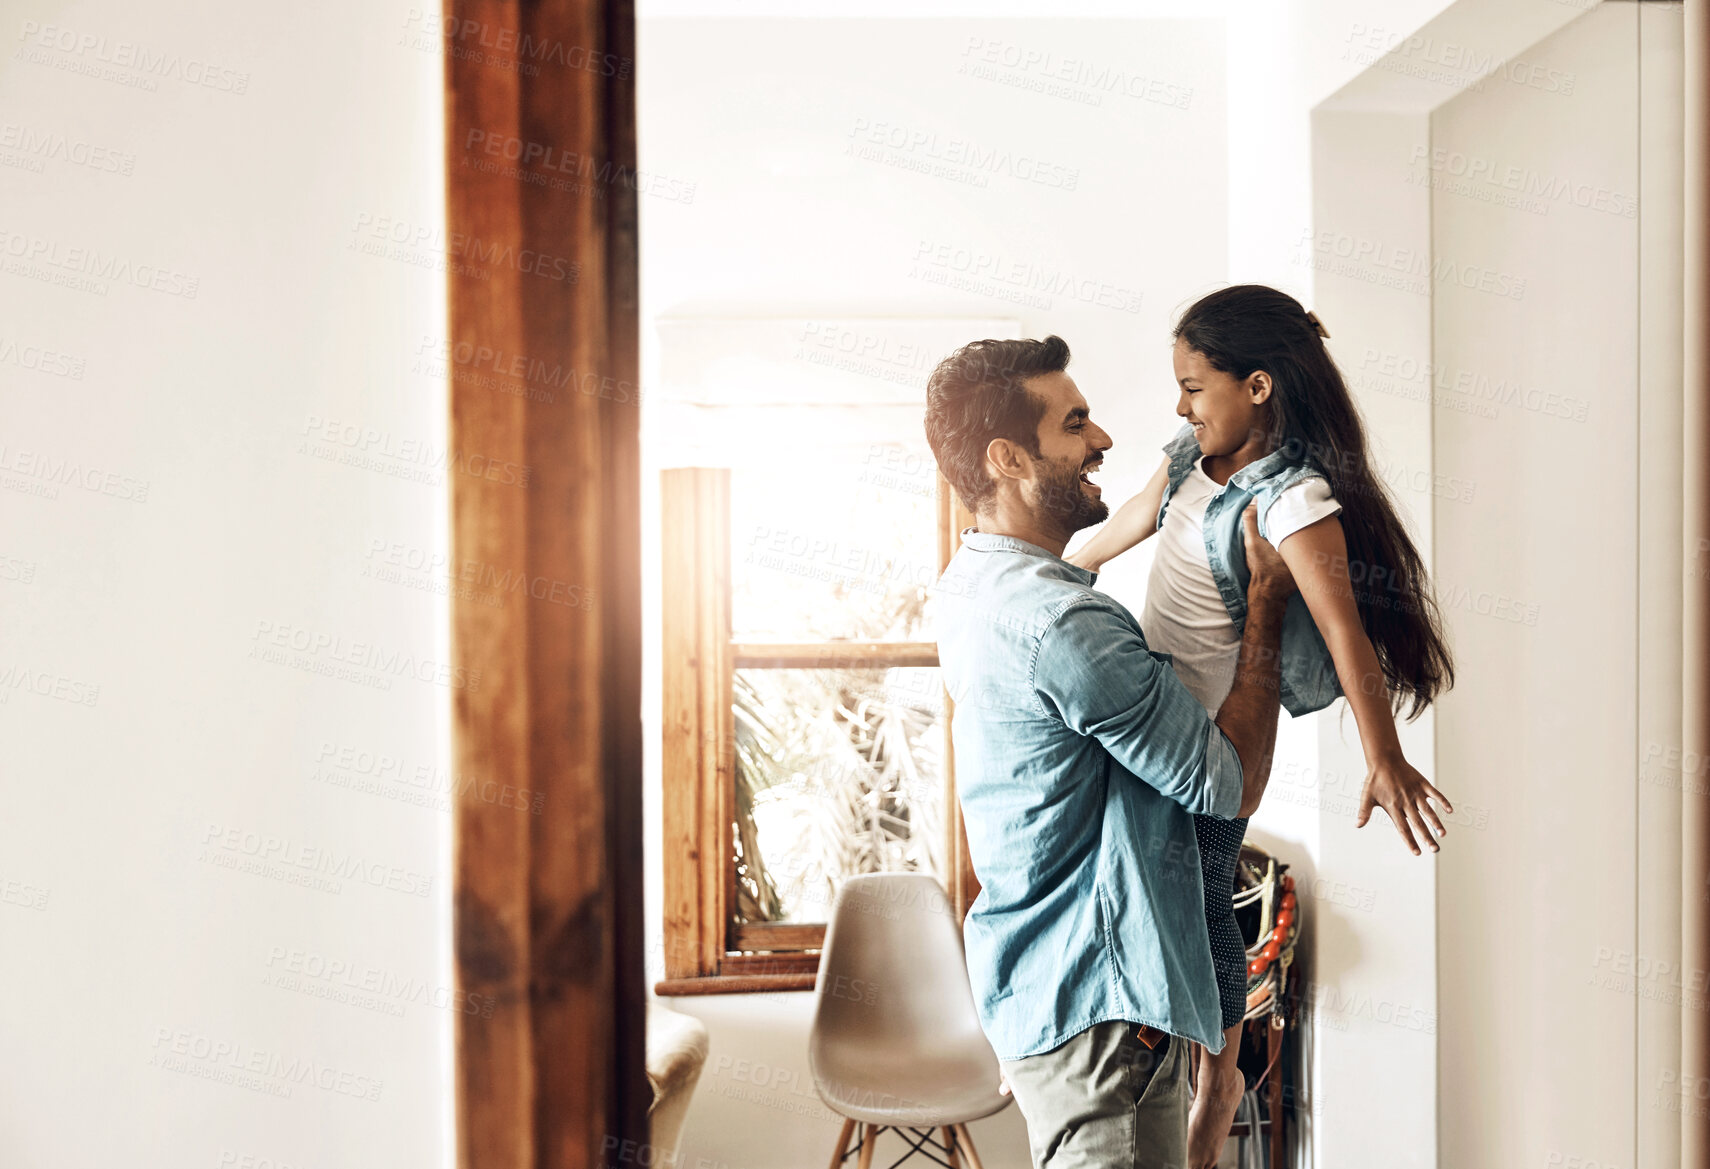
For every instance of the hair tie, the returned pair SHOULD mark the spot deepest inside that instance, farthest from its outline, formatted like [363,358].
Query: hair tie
[1318,324]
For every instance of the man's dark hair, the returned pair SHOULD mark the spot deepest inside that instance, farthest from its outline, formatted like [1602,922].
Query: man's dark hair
[977,394]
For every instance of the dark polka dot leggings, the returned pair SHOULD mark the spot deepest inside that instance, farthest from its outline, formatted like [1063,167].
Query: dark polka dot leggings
[1219,852]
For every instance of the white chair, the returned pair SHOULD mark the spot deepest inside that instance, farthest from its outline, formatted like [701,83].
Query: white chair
[896,1040]
[676,1052]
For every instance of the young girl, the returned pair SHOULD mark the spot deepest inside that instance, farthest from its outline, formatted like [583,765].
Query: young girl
[1270,421]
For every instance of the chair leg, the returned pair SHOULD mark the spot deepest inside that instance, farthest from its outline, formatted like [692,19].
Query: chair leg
[842,1149]
[967,1143]
[869,1138]
[949,1136]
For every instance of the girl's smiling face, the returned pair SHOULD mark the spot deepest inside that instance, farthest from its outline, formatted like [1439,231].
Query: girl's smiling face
[1223,409]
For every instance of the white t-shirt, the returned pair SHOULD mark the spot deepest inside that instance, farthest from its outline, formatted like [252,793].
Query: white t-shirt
[1184,613]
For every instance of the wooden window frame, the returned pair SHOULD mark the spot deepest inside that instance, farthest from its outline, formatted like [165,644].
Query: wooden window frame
[704,953]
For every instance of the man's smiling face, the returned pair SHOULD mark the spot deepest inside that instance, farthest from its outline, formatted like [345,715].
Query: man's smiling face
[1071,449]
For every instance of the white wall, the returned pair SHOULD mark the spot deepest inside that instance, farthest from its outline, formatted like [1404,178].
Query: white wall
[767,119]
[1456,290]
[1548,720]
[1285,58]
[1373,981]
[173,503]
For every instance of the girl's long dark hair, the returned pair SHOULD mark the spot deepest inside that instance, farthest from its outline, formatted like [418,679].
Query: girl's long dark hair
[1249,327]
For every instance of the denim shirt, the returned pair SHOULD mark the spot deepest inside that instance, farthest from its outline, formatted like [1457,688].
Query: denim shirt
[1307,671]
[1080,758]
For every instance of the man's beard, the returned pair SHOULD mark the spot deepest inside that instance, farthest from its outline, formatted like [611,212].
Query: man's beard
[1060,495]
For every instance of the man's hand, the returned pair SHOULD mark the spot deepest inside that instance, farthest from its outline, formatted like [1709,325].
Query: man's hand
[1248,715]
[1271,576]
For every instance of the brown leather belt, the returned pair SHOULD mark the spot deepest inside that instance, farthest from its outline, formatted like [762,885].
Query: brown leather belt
[1150,1036]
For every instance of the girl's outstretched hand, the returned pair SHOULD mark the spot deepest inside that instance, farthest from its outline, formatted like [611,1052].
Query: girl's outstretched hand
[1394,786]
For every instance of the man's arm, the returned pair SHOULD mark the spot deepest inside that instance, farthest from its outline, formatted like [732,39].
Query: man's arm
[1249,715]
[1094,672]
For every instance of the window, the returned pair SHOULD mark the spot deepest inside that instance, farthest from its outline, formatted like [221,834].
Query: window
[805,729]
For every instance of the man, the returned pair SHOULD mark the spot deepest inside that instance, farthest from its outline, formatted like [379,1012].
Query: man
[1079,758]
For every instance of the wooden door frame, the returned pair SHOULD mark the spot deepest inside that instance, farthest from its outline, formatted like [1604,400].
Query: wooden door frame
[545,512]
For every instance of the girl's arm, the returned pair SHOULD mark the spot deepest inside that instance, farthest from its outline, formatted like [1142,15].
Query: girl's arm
[1132,523]
[1317,555]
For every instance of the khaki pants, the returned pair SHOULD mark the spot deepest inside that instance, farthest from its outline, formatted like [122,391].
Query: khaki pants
[1104,1100]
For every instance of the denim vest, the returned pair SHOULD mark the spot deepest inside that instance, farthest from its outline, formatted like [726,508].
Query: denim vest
[1308,674]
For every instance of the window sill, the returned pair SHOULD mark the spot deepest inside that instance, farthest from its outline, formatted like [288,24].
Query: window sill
[733,984]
